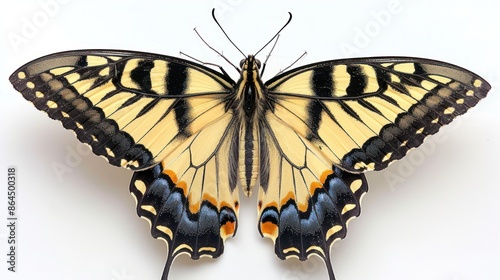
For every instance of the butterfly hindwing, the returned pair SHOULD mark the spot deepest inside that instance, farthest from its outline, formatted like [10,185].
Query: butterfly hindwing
[189,198]
[132,108]
[365,113]
[305,204]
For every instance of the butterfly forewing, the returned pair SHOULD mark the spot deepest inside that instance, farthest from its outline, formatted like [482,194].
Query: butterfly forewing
[132,108]
[365,113]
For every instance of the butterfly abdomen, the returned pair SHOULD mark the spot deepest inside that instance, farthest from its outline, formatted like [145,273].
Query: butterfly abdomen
[248,157]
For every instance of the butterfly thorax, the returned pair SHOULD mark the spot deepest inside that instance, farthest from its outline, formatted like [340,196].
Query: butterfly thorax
[249,100]
[249,90]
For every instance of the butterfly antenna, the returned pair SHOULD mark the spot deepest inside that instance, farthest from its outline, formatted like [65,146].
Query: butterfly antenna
[269,55]
[199,61]
[225,34]
[277,33]
[293,63]
[205,63]
[216,51]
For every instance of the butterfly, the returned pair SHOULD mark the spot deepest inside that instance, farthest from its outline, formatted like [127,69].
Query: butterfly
[194,136]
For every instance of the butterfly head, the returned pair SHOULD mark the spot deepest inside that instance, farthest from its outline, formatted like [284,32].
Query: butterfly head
[250,63]
[250,76]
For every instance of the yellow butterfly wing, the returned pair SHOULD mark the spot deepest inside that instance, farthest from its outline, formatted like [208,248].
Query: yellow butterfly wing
[330,121]
[164,117]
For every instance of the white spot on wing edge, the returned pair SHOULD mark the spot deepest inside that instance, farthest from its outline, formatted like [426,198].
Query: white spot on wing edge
[110,152]
[21,75]
[332,231]
[290,249]
[211,249]
[356,185]
[347,208]
[449,110]
[165,230]
[51,104]
[79,125]
[182,246]
[315,248]
[149,208]
[387,157]
[140,186]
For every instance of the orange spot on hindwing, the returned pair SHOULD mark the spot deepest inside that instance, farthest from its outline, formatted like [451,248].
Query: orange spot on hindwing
[227,229]
[179,184]
[269,229]
[194,207]
[171,174]
[289,196]
[183,186]
[210,199]
[324,175]
[314,186]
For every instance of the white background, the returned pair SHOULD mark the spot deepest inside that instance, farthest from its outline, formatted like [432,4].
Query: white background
[439,219]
